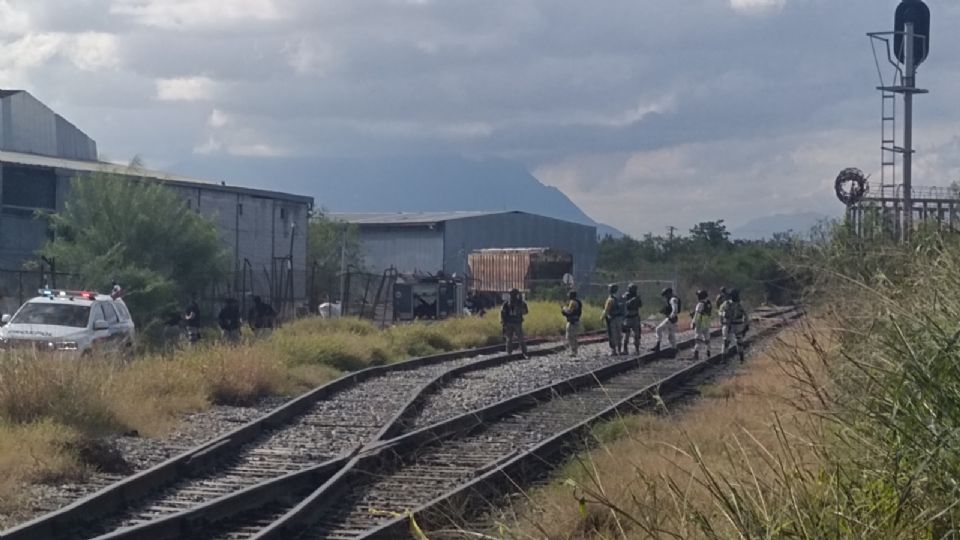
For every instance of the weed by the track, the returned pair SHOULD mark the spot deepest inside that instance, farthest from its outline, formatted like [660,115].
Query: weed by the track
[53,404]
[653,475]
[850,432]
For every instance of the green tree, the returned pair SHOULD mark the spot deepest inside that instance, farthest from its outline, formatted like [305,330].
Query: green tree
[708,259]
[140,233]
[711,233]
[326,240]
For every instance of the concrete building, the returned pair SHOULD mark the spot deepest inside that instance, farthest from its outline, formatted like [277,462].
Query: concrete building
[432,242]
[41,154]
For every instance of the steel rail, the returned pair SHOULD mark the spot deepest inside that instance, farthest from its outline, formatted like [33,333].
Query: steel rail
[371,457]
[507,474]
[198,521]
[199,517]
[117,496]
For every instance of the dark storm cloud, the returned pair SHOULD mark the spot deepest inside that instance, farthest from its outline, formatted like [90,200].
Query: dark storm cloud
[581,91]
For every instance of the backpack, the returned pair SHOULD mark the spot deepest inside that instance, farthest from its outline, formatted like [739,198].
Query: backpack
[707,308]
[734,313]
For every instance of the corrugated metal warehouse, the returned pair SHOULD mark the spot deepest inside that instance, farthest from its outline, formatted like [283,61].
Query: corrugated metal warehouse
[432,242]
[41,153]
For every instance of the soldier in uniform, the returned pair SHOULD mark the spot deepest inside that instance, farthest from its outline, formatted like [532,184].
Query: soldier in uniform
[733,317]
[511,318]
[613,318]
[572,312]
[700,324]
[671,314]
[721,298]
[631,318]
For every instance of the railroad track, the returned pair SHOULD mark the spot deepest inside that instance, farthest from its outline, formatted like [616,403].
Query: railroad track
[473,456]
[262,480]
[322,426]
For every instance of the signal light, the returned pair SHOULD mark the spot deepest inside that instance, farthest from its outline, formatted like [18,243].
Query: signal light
[916,12]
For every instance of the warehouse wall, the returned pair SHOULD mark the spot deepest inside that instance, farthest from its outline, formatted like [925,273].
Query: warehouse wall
[31,127]
[407,248]
[519,230]
[256,229]
[251,227]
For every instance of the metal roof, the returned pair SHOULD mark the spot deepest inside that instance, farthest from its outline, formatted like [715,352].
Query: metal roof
[409,218]
[92,166]
[34,160]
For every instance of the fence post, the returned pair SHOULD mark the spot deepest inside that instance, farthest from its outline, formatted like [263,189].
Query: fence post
[345,293]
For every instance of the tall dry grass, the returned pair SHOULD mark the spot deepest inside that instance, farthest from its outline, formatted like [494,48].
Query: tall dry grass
[850,431]
[664,474]
[53,405]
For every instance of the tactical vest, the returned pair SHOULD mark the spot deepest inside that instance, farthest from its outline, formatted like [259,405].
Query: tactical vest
[616,308]
[513,313]
[632,306]
[733,313]
[668,307]
[573,317]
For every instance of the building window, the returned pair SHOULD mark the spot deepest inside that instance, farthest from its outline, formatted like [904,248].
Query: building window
[240,209]
[283,213]
[190,204]
[29,187]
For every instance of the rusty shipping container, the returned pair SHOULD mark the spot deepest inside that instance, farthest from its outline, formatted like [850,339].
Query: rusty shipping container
[499,270]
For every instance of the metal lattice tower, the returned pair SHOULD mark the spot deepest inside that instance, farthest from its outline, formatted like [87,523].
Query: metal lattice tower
[889,151]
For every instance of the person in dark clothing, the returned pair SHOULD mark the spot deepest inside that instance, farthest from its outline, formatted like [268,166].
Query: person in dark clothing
[511,318]
[262,317]
[475,305]
[191,319]
[229,320]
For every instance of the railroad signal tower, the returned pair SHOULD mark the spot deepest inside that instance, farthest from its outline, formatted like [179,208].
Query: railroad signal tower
[909,48]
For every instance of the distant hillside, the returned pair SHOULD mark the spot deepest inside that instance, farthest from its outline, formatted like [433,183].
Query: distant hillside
[408,184]
[766,227]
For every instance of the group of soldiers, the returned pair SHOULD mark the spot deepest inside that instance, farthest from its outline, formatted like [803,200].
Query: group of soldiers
[621,315]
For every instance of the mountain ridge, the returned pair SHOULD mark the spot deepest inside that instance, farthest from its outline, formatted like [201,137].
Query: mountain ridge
[399,184]
[799,223]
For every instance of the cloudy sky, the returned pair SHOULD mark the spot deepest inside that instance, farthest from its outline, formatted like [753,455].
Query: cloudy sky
[646,113]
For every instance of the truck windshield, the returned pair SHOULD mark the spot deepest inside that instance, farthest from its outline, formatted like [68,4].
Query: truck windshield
[53,314]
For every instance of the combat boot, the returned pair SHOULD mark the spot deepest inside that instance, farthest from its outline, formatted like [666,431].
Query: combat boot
[656,348]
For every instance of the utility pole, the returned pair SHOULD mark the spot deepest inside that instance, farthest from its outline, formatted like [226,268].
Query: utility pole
[909,83]
[343,268]
[670,231]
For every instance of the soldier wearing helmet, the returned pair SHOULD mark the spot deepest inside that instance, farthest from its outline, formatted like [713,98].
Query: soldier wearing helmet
[572,312]
[700,323]
[668,327]
[721,298]
[511,318]
[631,318]
[613,318]
[733,317]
